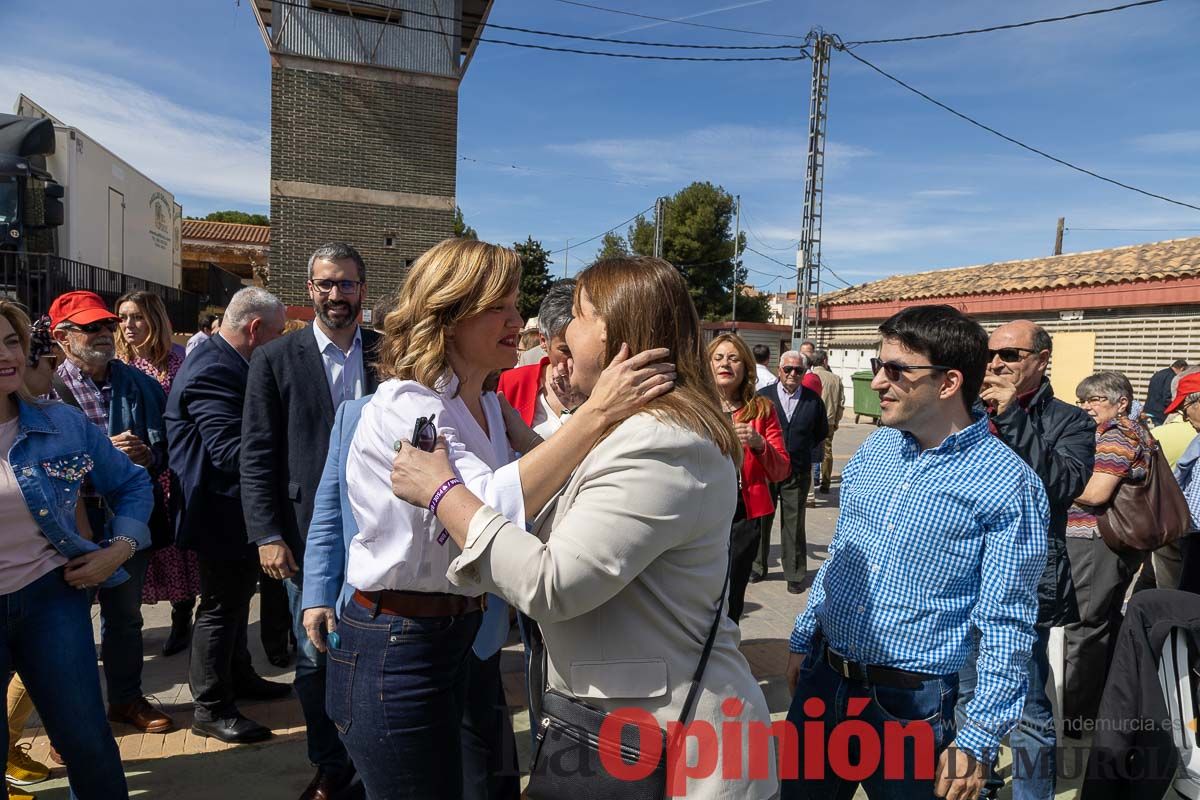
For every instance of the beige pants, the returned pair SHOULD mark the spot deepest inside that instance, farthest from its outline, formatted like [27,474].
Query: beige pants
[20,707]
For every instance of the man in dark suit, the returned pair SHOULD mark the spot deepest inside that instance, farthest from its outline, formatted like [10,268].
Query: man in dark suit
[295,386]
[1158,396]
[204,427]
[802,417]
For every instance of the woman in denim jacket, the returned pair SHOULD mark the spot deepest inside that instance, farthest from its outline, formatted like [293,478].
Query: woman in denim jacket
[46,567]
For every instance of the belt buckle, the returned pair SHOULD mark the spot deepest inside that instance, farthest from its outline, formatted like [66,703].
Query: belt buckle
[845,669]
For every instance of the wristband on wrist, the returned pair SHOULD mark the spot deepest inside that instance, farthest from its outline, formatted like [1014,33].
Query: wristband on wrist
[133,545]
[441,492]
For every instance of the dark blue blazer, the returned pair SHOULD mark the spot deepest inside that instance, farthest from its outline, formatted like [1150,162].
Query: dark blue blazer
[807,428]
[204,435]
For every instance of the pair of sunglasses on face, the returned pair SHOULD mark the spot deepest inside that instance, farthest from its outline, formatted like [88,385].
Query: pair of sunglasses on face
[893,370]
[109,325]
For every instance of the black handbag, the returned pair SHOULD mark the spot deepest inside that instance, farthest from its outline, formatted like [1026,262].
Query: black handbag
[567,763]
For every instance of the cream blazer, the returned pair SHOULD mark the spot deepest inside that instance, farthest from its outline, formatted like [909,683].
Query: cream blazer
[623,575]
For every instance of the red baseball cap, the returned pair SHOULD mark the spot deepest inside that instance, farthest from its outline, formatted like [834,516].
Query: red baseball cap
[1187,385]
[79,308]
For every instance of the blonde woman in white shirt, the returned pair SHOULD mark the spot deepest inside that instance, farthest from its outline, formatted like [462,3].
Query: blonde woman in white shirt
[625,569]
[397,666]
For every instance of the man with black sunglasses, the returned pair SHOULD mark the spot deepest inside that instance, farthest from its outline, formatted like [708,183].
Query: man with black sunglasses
[942,531]
[128,406]
[1058,440]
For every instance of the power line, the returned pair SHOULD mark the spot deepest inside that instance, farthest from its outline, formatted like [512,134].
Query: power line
[1011,26]
[1137,230]
[1011,140]
[530,46]
[758,238]
[602,233]
[679,21]
[771,258]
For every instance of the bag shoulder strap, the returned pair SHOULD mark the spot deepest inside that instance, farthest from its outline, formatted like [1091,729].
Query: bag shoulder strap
[694,691]
[64,392]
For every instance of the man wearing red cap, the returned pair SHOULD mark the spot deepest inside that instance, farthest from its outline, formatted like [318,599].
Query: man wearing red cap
[128,405]
[1187,473]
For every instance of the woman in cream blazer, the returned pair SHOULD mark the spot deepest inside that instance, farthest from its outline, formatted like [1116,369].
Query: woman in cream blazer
[627,563]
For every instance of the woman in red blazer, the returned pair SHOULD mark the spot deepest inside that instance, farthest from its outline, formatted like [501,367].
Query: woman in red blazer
[764,461]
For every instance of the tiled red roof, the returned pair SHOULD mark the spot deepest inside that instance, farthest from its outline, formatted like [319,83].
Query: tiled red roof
[1176,258]
[226,232]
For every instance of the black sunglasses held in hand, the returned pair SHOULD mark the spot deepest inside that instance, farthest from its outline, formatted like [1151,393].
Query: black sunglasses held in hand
[893,369]
[424,436]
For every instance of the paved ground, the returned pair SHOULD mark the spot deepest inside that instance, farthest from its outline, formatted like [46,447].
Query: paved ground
[181,766]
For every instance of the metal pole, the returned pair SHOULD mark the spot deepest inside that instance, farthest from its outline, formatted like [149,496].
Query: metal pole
[658,227]
[567,258]
[737,235]
[808,255]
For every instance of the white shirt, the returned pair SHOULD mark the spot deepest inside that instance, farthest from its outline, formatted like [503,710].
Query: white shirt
[343,370]
[196,338]
[546,420]
[788,400]
[765,376]
[397,543]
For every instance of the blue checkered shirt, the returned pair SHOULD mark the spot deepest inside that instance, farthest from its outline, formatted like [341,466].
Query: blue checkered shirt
[928,545]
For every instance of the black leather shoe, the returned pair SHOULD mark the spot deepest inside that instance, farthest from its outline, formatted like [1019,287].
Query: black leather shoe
[259,688]
[280,658]
[233,730]
[755,577]
[181,632]
[795,587]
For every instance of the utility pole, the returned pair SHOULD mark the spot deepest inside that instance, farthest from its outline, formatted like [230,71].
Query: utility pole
[567,259]
[737,235]
[659,205]
[1058,236]
[808,256]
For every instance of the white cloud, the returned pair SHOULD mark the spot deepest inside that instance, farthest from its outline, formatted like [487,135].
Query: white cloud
[188,151]
[722,153]
[1173,142]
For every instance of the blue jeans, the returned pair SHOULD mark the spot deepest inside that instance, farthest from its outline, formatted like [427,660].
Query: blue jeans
[325,749]
[46,635]
[121,633]
[885,709]
[1033,741]
[396,690]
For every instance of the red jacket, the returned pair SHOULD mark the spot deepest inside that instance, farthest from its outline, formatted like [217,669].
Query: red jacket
[759,470]
[520,386]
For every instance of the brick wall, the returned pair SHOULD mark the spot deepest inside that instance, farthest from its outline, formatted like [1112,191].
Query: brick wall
[299,226]
[344,131]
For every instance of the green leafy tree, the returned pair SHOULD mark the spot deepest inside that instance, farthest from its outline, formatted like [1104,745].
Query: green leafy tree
[613,245]
[461,229]
[240,217]
[535,275]
[698,240]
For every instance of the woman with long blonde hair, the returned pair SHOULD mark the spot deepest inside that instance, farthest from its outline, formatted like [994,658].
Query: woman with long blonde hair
[398,665]
[764,457]
[144,342]
[626,572]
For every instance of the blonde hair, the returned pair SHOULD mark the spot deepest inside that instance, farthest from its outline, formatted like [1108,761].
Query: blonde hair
[644,303]
[753,406]
[16,316]
[454,280]
[157,345]
[293,325]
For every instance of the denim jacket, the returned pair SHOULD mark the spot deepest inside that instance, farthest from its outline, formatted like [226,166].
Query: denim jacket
[55,447]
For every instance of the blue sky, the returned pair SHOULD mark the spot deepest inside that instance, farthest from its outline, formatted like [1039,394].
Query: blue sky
[182,91]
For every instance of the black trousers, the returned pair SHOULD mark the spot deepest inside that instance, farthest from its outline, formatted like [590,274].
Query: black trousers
[219,656]
[743,548]
[489,748]
[275,616]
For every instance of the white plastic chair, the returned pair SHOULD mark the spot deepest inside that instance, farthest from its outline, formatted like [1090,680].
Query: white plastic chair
[1174,675]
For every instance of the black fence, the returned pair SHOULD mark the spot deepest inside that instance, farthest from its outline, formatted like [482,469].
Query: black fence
[36,279]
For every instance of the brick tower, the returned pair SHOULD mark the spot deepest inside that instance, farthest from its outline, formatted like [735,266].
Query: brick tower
[364,129]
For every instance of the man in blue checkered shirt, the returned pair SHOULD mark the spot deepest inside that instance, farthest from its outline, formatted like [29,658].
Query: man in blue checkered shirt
[942,531]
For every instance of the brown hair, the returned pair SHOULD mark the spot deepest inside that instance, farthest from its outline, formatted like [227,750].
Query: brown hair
[453,280]
[753,406]
[644,303]
[157,345]
[16,316]
[293,325]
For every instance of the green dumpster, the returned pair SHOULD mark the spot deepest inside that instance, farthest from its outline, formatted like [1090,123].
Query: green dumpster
[866,399]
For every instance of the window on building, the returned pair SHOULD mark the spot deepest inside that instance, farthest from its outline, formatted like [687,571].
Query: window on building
[359,10]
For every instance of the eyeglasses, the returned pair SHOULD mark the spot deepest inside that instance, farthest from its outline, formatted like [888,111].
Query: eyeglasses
[109,325]
[425,433]
[893,370]
[791,370]
[1091,401]
[325,286]
[1010,355]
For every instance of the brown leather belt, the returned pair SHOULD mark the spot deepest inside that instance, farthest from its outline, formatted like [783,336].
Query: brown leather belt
[418,604]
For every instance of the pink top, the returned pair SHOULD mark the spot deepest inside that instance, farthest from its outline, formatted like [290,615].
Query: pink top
[25,554]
